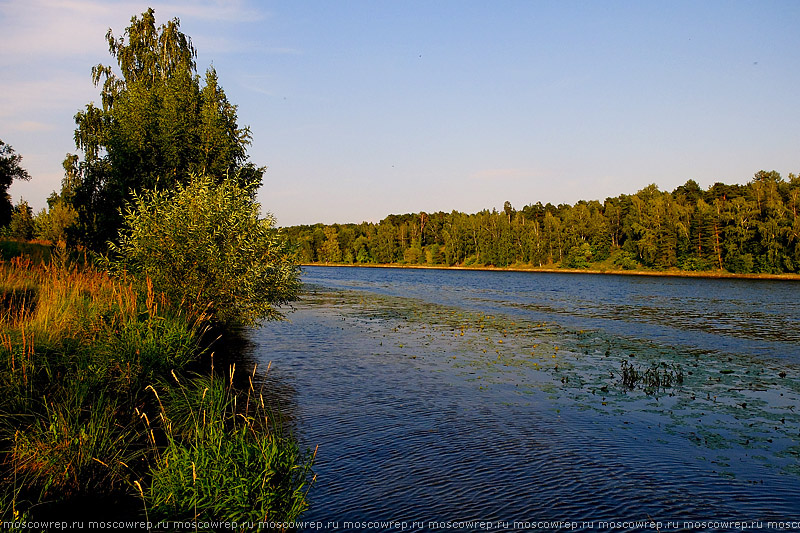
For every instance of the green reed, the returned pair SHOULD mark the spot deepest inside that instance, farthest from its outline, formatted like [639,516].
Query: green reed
[225,457]
[657,377]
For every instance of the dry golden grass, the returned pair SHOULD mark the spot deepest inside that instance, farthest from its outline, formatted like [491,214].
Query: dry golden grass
[50,301]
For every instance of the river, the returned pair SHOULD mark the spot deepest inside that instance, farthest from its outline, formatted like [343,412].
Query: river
[445,398]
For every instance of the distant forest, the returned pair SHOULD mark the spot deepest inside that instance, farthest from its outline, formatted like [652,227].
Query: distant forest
[752,228]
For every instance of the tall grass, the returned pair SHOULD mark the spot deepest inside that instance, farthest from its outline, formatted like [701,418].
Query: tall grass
[225,457]
[79,355]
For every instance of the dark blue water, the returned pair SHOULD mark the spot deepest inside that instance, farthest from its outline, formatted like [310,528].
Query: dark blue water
[754,316]
[446,397]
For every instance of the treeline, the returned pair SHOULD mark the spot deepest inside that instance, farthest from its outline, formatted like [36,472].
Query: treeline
[752,228]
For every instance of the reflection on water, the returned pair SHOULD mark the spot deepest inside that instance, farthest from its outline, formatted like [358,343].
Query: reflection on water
[468,395]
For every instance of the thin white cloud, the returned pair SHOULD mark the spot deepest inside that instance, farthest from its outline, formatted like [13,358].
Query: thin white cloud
[256,88]
[33,28]
[47,48]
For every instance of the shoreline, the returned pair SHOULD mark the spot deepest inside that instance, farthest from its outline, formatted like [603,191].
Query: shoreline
[534,270]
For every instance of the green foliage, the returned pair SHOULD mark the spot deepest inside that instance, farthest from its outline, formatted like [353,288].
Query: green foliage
[10,170]
[225,459]
[206,248]
[626,260]
[412,255]
[330,252]
[696,264]
[753,228]
[22,225]
[433,255]
[54,223]
[158,124]
[579,256]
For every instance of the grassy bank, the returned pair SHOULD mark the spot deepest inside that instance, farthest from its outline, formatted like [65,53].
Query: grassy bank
[97,403]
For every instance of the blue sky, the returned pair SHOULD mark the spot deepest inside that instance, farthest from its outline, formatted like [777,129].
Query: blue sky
[365,108]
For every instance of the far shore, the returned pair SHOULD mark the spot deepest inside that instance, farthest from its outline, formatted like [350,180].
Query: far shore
[532,269]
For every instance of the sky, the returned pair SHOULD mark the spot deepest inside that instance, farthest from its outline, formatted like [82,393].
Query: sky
[361,109]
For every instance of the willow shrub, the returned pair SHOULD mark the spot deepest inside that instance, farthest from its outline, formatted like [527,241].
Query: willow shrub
[205,245]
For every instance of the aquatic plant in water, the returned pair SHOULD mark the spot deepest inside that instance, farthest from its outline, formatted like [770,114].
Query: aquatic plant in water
[657,377]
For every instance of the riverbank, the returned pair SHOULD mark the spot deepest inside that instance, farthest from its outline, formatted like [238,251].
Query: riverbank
[533,269]
[107,394]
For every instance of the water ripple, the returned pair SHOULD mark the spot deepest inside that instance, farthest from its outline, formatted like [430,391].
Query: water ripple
[410,427]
